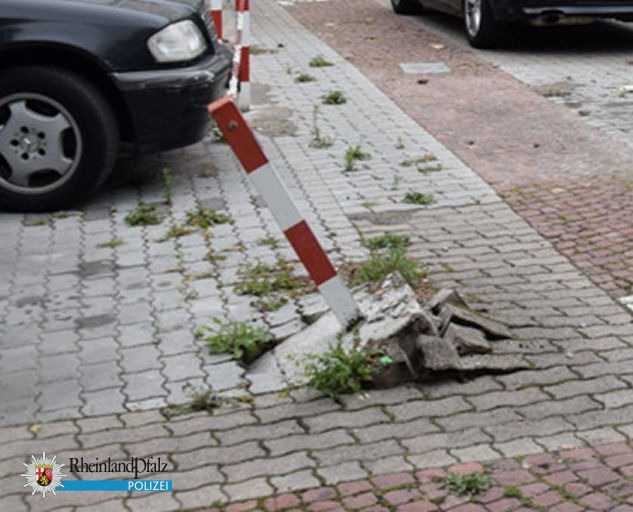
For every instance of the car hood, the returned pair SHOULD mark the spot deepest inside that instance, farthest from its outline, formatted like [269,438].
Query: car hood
[169,9]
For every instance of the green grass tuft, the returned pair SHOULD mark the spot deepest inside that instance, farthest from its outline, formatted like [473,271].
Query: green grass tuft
[143,215]
[418,198]
[320,62]
[243,340]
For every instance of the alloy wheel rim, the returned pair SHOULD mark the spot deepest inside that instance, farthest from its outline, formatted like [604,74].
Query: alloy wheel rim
[473,16]
[40,144]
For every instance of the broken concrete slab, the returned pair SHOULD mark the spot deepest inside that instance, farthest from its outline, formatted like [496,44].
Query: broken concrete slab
[493,329]
[437,354]
[445,296]
[415,340]
[467,340]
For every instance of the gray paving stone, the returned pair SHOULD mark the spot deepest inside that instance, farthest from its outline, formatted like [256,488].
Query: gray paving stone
[431,442]
[433,459]
[268,466]
[517,429]
[202,497]
[218,455]
[355,419]
[295,481]
[308,442]
[362,452]
[102,402]
[346,472]
[581,387]
[294,410]
[224,375]
[213,423]
[429,408]
[253,488]
[269,431]
[559,407]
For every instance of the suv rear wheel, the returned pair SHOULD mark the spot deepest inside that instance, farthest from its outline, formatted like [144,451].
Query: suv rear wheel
[58,138]
[482,29]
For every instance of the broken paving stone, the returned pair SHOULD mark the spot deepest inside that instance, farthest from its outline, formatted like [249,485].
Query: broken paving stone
[467,340]
[408,333]
[445,296]
[437,354]
[453,314]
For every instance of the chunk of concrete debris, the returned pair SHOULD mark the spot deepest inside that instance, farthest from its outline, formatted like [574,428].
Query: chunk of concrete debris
[467,340]
[437,354]
[415,339]
[462,316]
[445,296]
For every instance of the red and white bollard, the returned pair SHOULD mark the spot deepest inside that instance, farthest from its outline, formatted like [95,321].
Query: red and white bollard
[244,28]
[216,15]
[265,179]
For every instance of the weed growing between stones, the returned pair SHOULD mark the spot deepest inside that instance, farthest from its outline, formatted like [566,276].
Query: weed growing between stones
[269,241]
[168,181]
[258,50]
[320,62]
[381,264]
[217,135]
[202,398]
[341,371]
[424,159]
[143,215]
[111,244]
[206,217]
[470,484]
[335,97]
[303,78]
[273,286]
[319,141]
[352,155]
[418,198]
[176,231]
[387,241]
[243,340]
[513,492]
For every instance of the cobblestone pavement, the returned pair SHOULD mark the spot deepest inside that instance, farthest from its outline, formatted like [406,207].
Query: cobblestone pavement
[570,154]
[572,480]
[96,339]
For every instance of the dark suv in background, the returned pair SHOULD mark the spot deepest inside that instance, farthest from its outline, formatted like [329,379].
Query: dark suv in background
[79,79]
[485,20]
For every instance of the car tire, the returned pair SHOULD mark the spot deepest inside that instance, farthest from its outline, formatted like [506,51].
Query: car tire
[59,138]
[482,29]
[406,7]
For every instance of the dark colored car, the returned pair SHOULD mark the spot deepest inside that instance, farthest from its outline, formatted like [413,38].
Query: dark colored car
[79,79]
[485,20]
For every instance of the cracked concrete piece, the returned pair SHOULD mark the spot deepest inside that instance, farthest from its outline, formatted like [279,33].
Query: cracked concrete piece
[495,330]
[438,355]
[445,296]
[467,340]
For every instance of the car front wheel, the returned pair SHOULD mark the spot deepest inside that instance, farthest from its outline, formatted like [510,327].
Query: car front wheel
[482,29]
[58,139]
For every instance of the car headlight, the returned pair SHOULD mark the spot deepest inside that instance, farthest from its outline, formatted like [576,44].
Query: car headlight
[180,41]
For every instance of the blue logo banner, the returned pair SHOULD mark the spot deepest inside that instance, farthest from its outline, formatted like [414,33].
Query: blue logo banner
[116,486]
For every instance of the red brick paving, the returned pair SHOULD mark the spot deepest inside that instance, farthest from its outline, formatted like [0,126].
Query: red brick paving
[556,482]
[570,181]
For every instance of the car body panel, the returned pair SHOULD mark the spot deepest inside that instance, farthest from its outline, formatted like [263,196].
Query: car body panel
[527,10]
[114,30]
[165,105]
